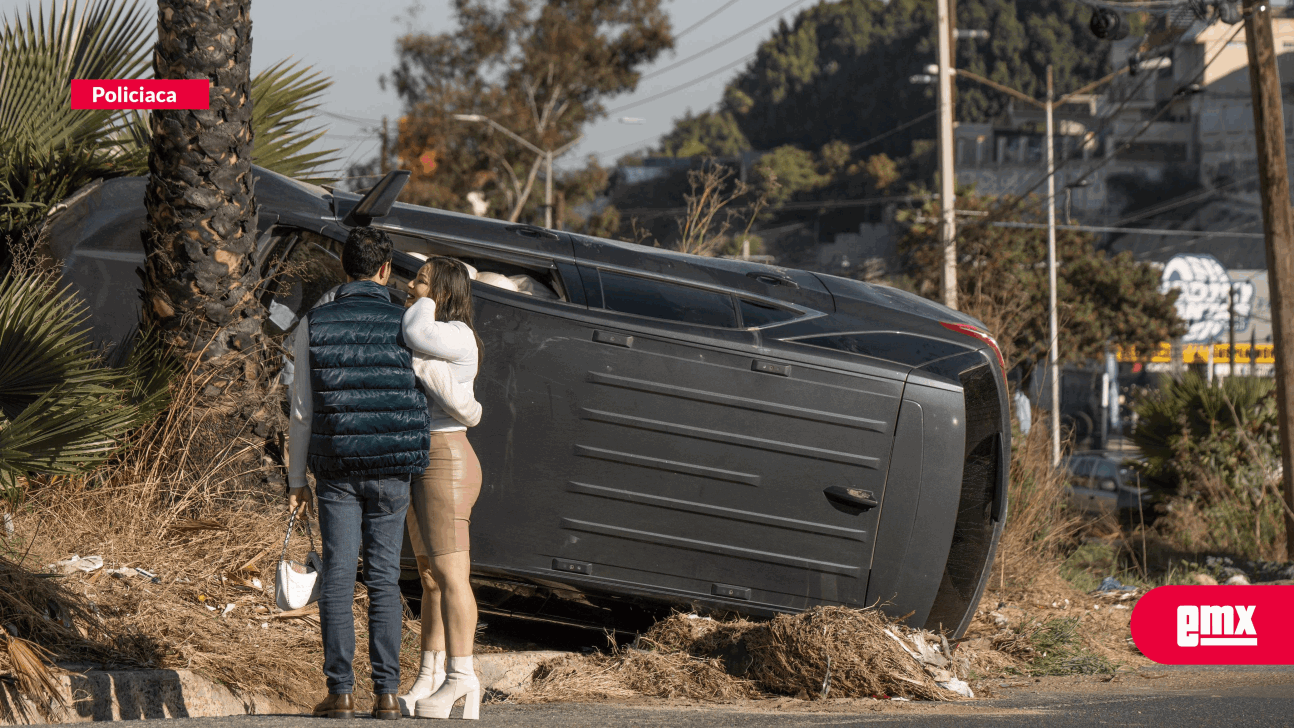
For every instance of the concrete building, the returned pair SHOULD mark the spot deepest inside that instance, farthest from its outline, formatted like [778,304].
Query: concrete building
[1147,132]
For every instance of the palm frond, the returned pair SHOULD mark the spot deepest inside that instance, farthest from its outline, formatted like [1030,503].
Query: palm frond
[40,57]
[47,148]
[61,411]
[40,345]
[66,430]
[283,99]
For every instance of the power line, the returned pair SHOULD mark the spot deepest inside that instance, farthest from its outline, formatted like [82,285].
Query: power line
[704,20]
[676,89]
[352,119]
[1198,234]
[1021,197]
[895,130]
[722,43]
[640,142]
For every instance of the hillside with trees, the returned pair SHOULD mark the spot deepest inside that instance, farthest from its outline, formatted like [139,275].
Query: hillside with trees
[833,86]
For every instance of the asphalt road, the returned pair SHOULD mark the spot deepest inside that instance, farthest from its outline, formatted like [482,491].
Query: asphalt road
[1188,697]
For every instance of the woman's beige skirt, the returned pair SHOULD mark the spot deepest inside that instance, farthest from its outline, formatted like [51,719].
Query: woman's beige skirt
[443,496]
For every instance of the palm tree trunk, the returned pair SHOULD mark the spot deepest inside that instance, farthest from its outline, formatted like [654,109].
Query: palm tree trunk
[199,278]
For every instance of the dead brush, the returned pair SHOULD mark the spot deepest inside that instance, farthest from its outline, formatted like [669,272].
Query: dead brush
[630,672]
[1039,526]
[194,499]
[833,651]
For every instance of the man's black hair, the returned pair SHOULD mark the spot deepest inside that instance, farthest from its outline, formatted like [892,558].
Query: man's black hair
[366,250]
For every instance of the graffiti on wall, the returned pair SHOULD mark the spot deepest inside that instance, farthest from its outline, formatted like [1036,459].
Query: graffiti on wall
[1204,298]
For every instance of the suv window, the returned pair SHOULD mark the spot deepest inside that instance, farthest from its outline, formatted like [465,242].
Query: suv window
[667,301]
[1106,470]
[309,271]
[754,315]
[1081,467]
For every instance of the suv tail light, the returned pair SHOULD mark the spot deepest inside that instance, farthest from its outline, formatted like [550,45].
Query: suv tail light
[980,334]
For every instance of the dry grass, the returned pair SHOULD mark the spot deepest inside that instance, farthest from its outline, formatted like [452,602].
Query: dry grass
[632,672]
[1038,528]
[194,500]
[825,651]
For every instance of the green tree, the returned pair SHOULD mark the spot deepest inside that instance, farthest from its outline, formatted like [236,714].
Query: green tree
[788,171]
[839,71]
[541,68]
[1002,280]
[708,134]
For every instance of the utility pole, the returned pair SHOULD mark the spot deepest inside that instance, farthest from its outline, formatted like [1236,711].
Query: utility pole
[548,188]
[1278,226]
[947,181]
[544,154]
[1231,333]
[1053,351]
[383,165]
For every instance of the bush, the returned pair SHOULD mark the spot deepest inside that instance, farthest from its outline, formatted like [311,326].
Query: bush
[1215,449]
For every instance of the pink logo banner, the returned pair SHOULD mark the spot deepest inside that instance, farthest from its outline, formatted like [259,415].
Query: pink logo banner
[1216,625]
[141,94]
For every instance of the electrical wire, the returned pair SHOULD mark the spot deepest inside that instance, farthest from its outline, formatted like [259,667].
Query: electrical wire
[704,20]
[895,130]
[1146,6]
[681,87]
[1019,198]
[352,119]
[716,46]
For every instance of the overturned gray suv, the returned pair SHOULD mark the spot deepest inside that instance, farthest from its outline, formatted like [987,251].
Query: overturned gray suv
[661,428]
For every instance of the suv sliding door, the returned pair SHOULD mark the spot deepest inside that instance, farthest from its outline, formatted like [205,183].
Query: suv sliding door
[706,466]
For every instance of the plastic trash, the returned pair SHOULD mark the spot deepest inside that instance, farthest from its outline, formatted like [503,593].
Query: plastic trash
[959,686]
[75,563]
[1238,580]
[1109,584]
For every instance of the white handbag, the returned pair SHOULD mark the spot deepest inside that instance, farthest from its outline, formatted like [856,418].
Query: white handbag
[296,584]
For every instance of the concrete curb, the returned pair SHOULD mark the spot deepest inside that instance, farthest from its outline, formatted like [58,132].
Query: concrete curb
[97,695]
[151,694]
[509,672]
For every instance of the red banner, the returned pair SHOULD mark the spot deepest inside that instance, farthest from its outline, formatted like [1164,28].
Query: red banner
[1216,625]
[141,94]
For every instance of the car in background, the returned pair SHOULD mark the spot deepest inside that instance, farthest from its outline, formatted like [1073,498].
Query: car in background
[1101,483]
[662,428]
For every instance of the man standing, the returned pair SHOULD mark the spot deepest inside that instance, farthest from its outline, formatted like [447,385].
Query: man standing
[360,422]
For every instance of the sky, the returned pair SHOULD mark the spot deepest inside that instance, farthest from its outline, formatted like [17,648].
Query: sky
[353,42]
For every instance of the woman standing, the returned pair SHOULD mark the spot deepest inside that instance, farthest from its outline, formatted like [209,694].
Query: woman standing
[438,324]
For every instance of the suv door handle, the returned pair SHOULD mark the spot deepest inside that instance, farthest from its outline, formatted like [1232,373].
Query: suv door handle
[853,497]
[772,279]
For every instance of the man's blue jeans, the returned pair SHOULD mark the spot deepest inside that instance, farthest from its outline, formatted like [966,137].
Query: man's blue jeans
[369,511]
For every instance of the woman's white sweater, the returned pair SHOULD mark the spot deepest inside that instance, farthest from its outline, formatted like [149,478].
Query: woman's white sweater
[445,361]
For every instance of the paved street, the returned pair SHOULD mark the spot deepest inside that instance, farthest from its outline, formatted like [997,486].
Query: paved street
[1188,697]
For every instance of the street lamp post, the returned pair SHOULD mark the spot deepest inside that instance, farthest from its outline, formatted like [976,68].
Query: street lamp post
[947,180]
[1069,218]
[546,154]
[1053,351]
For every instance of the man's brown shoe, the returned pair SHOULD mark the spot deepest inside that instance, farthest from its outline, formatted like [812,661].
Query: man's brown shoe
[337,705]
[386,707]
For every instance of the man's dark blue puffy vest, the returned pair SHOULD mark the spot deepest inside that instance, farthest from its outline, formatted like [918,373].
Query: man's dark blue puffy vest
[370,417]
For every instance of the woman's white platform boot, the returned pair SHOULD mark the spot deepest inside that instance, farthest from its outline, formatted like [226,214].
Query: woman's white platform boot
[460,682]
[431,675]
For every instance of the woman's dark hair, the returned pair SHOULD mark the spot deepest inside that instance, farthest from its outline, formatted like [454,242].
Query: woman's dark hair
[451,289]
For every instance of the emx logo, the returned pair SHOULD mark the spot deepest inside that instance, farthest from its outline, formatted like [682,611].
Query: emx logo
[1215,625]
